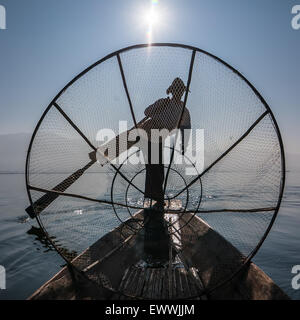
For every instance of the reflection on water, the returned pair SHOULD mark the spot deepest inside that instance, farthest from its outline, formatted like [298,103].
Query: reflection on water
[41,237]
[30,259]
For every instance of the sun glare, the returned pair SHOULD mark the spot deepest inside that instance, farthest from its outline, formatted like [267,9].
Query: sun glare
[152,18]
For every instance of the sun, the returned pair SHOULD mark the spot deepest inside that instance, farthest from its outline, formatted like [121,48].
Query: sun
[152,18]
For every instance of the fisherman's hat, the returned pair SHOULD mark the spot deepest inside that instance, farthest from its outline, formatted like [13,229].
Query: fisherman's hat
[177,84]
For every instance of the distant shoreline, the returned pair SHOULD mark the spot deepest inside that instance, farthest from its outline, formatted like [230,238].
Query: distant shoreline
[17,172]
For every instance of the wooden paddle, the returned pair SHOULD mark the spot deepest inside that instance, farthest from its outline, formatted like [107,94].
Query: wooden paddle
[43,202]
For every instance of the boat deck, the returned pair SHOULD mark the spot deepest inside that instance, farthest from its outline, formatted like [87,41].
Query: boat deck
[203,258]
[160,283]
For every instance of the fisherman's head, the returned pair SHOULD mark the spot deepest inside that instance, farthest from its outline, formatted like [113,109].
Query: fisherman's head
[177,88]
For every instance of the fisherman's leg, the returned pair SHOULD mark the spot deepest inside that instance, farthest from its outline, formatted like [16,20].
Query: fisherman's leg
[154,183]
[156,238]
[154,174]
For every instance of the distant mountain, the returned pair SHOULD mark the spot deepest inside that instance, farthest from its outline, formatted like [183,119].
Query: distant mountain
[13,149]
[293,161]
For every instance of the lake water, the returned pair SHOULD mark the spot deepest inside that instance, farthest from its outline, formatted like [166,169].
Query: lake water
[30,261]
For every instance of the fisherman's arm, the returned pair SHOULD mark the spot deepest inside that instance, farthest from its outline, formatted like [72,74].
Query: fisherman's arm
[155,109]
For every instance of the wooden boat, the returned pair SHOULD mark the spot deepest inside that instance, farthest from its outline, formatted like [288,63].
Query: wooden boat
[114,261]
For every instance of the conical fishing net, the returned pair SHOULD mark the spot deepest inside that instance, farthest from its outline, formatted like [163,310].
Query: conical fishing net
[221,188]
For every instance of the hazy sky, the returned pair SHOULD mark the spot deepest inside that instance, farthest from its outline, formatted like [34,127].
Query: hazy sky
[48,42]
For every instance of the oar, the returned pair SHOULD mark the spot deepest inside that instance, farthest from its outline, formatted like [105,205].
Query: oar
[43,202]
[114,144]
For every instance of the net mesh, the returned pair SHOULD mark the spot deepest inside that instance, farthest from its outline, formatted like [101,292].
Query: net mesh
[231,176]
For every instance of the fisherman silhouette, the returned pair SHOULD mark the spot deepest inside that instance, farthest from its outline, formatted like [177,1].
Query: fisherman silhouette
[170,114]
[166,113]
